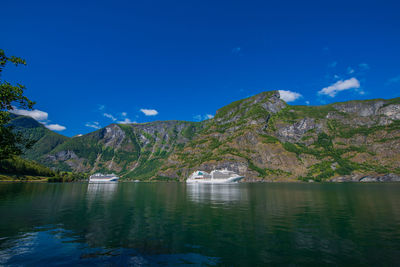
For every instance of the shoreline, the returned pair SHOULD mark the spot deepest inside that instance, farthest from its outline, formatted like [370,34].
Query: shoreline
[354,178]
[12,178]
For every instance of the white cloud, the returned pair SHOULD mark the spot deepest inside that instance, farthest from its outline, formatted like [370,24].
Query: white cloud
[307,102]
[40,116]
[101,107]
[55,127]
[94,125]
[203,117]
[124,114]
[289,96]
[109,116]
[126,121]
[339,86]
[350,70]
[35,114]
[149,112]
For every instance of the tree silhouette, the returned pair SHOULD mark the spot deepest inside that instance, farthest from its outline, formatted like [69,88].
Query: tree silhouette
[11,143]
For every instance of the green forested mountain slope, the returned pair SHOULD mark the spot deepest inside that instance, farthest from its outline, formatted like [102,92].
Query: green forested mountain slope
[46,140]
[260,137]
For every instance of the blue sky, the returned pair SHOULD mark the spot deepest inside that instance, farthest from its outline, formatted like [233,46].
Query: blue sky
[92,63]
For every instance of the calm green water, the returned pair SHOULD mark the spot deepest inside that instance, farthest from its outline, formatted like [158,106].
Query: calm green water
[177,224]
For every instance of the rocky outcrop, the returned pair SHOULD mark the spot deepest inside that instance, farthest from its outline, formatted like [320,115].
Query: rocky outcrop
[296,143]
[269,102]
[383,178]
[391,177]
[391,111]
[360,108]
[62,156]
[69,158]
[113,136]
[273,104]
[297,130]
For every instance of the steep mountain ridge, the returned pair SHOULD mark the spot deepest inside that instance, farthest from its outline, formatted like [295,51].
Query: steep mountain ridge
[260,137]
[46,140]
[131,150]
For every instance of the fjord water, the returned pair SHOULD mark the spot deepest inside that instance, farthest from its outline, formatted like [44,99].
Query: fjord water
[177,224]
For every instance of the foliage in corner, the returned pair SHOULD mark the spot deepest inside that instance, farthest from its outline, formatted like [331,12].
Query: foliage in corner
[11,143]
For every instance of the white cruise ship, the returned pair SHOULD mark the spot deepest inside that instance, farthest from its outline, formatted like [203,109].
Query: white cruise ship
[101,178]
[215,177]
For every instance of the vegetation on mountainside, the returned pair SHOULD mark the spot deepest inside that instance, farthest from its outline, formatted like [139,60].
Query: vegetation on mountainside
[146,168]
[261,134]
[242,105]
[190,131]
[17,168]
[293,113]
[222,112]
[137,155]
[17,165]
[84,146]
[153,155]
[332,158]
[44,139]
[341,130]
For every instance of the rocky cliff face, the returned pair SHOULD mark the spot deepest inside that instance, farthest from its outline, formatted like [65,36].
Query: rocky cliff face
[260,137]
[133,151]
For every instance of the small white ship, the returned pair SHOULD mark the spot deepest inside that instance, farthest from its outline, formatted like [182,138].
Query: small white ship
[103,178]
[215,177]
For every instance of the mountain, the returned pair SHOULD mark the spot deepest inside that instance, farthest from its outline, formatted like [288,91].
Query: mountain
[133,151]
[260,137]
[46,140]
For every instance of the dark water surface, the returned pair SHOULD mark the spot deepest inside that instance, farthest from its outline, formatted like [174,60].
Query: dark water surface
[177,224]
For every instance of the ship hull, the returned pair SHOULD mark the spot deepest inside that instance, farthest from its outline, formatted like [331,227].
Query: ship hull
[106,180]
[215,181]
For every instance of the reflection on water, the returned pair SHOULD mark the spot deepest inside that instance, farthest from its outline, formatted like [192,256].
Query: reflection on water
[24,245]
[104,190]
[214,224]
[216,193]
[55,247]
